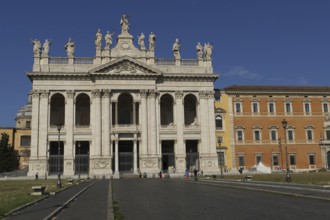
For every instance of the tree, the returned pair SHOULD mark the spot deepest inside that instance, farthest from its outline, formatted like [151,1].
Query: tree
[8,156]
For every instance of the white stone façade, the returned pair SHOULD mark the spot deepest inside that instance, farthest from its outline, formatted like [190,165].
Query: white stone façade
[122,111]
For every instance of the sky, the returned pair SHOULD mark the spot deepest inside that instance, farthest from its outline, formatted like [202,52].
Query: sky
[255,42]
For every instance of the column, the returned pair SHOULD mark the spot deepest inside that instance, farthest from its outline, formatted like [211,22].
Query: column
[180,154]
[135,154]
[68,127]
[153,125]
[33,161]
[204,123]
[116,113]
[211,123]
[134,113]
[144,123]
[43,125]
[97,123]
[106,123]
[116,157]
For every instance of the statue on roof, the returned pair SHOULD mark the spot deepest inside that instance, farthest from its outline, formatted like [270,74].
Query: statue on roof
[98,39]
[208,51]
[141,41]
[176,49]
[199,49]
[108,40]
[69,47]
[152,39]
[124,24]
[45,48]
[36,47]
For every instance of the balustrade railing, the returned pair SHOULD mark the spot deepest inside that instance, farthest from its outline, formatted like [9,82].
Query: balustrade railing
[83,60]
[58,60]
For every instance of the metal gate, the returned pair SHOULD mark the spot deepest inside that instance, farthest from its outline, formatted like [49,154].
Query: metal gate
[126,161]
[191,161]
[54,162]
[167,161]
[82,164]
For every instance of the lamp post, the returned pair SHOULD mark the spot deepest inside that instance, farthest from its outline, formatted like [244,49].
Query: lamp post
[59,185]
[79,145]
[281,153]
[288,176]
[221,162]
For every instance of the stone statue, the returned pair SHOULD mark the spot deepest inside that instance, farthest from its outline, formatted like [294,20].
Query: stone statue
[208,51]
[108,40]
[69,47]
[141,42]
[176,49]
[98,39]
[327,116]
[36,47]
[45,48]
[199,49]
[124,24]
[152,39]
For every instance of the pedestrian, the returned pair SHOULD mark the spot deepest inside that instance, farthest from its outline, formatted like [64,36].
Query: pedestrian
[36,176]
[195,174]
[186,174]
[160,175]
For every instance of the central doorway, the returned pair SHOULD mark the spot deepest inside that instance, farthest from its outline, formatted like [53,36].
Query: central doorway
[125,149]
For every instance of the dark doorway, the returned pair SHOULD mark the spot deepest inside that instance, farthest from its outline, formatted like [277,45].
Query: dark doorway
[55,161]
[82,157]
[125,156]
[168,158]
[191,155]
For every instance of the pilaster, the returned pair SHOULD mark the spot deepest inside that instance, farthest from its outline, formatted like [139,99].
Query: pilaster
[69,145]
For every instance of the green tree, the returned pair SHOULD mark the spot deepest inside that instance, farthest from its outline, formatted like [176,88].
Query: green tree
[8,156]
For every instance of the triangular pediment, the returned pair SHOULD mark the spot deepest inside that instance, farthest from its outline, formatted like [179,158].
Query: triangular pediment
[125,66]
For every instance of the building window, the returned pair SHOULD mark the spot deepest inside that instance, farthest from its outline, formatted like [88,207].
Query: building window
[275,160]
[311,159]
[241,161]
[327,134]
[218,122]
[240,135]
[307,108]
[290,135]
[25,141]
[292,159]
[255,108]
[257,135]
[273,135]
[325,108]
[258,159]
[288,108]
[309,134]
[238,108]
[271,108]
[28,124]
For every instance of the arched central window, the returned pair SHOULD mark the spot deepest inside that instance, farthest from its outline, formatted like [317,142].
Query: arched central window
[57,109]
[190,113]
[166,109]
[125,109]
[82,110]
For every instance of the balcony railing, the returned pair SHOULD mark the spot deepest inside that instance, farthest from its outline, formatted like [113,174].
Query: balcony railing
[58,60]
[171,62]
[83,60]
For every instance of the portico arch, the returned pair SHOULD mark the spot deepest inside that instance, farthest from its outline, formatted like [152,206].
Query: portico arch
[125,109]
[57,109]
[190,109]
[82,110]
[166,109]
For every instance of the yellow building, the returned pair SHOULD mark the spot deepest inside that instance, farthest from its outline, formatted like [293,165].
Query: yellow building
[223,131]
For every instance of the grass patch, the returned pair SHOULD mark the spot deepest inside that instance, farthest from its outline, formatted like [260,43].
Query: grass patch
[15,193]
[320,178]
[117,214]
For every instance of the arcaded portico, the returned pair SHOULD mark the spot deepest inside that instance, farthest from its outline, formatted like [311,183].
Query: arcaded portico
[123,110]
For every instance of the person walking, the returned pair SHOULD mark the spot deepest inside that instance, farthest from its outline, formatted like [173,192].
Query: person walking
[195,174]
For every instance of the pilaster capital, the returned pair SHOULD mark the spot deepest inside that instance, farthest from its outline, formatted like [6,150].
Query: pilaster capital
[96,93]
[152,93]
[106,93]
[202,94]
[44,93]
[210,94]
[178,94]
[143,93]
[70,94]
[35,93]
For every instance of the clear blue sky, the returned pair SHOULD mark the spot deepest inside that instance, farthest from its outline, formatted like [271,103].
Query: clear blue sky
[264,42]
